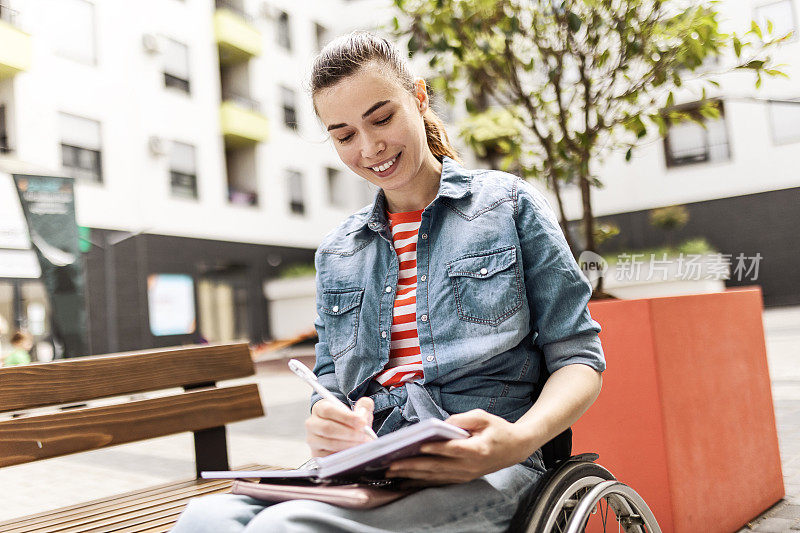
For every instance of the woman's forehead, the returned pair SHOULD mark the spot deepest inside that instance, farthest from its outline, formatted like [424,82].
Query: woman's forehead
[356,94]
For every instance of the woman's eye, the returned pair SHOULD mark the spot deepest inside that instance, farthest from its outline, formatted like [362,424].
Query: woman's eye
[345,139]
[384,121]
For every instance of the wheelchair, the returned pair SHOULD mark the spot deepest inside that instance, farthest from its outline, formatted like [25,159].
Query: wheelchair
[576,494]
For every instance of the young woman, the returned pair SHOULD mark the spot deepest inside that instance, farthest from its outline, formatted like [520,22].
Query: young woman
[447,297]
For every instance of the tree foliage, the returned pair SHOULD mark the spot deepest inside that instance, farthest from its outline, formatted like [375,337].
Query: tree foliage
[555,85]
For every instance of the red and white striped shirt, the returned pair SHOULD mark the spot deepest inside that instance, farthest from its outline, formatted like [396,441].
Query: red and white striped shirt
[405,358]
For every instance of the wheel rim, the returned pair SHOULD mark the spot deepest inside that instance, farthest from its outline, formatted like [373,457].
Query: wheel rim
[567,502]
[632,514]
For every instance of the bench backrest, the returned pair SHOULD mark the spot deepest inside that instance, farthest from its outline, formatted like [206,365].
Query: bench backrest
[200,407]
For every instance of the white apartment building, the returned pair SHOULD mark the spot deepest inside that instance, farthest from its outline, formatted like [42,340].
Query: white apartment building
[199,164]
[739,178]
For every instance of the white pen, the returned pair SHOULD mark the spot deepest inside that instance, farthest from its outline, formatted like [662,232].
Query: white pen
[309,377]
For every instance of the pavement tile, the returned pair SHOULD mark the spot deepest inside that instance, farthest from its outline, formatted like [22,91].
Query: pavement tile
[772,525]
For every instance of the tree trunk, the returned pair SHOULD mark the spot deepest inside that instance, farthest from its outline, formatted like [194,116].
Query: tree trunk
[562,215]
[588,215]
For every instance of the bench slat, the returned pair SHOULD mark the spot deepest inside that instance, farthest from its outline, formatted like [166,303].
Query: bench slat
[36,521]
[87,378]
[29,439]
[170,506]
[56,519]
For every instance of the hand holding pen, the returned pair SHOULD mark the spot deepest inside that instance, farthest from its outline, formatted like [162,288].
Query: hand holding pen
[309,377]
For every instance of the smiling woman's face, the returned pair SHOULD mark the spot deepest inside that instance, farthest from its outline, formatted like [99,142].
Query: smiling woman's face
[372,121]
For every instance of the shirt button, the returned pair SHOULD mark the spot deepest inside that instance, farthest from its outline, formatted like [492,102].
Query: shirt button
[383,334]
[424,235]
[429,358]
[423,277]
[484,272]
[388,289]
[424,318]
[335,308]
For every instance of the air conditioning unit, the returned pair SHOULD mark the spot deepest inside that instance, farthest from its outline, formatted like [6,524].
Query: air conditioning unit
[157,145]
[150,43]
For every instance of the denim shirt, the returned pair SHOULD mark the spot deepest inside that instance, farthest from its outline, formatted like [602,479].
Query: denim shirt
[499,294]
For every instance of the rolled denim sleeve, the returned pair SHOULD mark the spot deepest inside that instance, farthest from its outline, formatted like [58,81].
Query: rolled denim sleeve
[557,291]
[324,366]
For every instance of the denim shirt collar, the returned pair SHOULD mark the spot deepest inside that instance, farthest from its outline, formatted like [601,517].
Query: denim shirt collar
[455,182]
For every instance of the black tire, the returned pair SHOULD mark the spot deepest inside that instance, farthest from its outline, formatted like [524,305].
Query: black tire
[547,507]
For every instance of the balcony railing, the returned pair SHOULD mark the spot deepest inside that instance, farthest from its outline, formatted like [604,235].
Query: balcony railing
[244,101]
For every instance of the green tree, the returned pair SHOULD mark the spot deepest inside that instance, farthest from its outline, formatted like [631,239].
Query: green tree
[556,85]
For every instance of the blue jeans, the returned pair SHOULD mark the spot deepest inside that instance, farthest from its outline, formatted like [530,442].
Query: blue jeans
[483,505]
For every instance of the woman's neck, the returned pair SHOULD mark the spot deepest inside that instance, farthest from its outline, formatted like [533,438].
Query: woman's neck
[425,189]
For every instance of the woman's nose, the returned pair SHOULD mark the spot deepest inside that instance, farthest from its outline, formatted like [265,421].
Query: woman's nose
[371,147]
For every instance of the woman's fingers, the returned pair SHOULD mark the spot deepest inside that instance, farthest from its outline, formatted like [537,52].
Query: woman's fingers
[334,430]
[363,409]
[340,413]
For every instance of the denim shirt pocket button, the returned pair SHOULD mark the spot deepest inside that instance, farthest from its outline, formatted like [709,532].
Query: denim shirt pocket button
[487,286]
[341,308]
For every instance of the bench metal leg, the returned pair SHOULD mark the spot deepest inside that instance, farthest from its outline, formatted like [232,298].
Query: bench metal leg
[211,449]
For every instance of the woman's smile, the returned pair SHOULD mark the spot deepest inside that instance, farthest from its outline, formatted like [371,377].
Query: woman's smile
[387,168]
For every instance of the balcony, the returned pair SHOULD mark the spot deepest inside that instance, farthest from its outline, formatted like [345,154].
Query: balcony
[242,121]
[15,51]
[237,38]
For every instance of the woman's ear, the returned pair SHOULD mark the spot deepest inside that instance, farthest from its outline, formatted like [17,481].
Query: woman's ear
[421,94]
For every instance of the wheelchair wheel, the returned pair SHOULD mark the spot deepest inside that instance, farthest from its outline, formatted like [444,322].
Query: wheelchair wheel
[630,511]
[555,504]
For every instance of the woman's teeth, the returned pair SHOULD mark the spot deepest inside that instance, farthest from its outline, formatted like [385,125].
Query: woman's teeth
[385,165]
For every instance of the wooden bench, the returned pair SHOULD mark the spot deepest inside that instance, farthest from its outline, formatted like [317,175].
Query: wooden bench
[200,407]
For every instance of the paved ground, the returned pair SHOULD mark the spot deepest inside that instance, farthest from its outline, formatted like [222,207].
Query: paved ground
[782,328]
[279,439]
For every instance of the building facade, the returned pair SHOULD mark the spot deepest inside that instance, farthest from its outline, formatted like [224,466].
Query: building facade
[200,168]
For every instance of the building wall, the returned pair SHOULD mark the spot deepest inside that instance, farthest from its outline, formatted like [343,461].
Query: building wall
[124,90]
[764,223]
[138,257]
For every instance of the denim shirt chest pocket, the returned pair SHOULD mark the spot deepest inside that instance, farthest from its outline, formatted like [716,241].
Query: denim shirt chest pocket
[341,307]
[487,286]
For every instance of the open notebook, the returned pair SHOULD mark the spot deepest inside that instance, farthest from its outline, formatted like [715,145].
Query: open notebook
[365,461]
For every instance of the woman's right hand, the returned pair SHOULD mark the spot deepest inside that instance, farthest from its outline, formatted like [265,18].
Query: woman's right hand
[331,429]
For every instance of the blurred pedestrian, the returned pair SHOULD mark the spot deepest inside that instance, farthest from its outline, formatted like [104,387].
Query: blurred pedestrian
[21,344]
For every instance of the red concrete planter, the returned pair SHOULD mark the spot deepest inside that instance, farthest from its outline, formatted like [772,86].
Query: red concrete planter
[685,416]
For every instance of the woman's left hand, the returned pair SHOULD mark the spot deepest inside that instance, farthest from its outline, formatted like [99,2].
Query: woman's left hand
[495,443]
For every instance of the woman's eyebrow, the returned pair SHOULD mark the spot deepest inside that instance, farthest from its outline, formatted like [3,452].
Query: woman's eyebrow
[365,115]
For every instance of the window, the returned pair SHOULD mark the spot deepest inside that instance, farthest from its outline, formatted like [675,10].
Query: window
[5,147]
[81,148]
[71,29]
[782,16]
[337,192]
[183,170]
[347,192]
[176,65]
[687,143]
[283,32]
[785,121]
[289,111]
[295,187]
[323,35]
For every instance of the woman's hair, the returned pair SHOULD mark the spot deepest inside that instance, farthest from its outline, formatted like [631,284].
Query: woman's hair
[345,55]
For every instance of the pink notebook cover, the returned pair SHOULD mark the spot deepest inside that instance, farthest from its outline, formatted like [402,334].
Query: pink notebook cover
[352,496]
